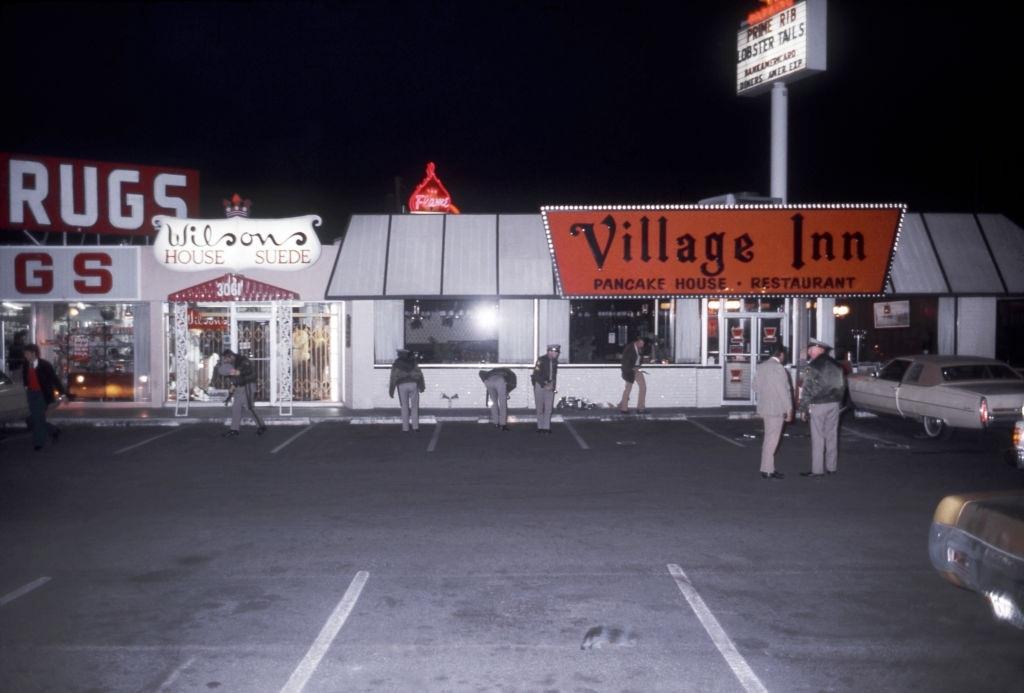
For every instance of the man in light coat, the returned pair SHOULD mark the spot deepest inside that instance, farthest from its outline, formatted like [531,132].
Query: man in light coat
[774,405]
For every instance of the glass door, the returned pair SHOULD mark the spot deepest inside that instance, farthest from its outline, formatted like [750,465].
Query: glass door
[252,338]
[739,348]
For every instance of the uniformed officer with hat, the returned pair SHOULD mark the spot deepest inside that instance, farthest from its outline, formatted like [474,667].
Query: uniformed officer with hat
[545,383]
[824,387]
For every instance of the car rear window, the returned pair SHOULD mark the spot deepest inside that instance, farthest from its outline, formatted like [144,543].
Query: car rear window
[978,371]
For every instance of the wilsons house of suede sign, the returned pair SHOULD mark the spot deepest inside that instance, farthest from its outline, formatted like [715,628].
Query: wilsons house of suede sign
[813,250]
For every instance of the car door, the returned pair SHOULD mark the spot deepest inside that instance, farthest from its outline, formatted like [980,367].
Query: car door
[879,393]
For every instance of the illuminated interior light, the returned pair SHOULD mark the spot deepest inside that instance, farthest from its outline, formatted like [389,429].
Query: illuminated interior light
[79,379]
[143,378]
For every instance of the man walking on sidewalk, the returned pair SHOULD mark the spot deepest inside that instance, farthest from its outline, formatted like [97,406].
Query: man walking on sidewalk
[240,369]
[775,406]
[41,382]
[823,389]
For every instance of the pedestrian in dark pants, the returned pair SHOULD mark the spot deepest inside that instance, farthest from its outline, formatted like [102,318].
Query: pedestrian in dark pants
[41,383]
[407,378]
[240,369]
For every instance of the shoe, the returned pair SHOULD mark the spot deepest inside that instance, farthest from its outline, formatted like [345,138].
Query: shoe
[415,430]
[547,430]
[830,473]
[641,411]
[230,434]
[261,430]
[773,475]
[812,474]
[504,428]
[623,411]
[55,435]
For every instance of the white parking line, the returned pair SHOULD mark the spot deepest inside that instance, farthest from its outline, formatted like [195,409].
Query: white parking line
[287,442]
[337,619]
[577,436]
[865,436]
[147,440]
[717,435]
[166,685]
[433,438]
[23,590]
[748,679]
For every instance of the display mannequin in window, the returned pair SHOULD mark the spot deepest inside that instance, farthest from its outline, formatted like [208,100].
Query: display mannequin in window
[407,378]
[545,384]
[632,358]
[243,376]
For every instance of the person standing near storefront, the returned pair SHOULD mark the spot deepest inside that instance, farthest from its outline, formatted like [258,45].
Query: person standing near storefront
[41,382]
[499,383]
[545,384]
[824,387]
[407,378]
[774,405]
[632,357]
[243,375]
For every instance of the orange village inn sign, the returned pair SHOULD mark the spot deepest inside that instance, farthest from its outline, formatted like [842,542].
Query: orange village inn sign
[665,251]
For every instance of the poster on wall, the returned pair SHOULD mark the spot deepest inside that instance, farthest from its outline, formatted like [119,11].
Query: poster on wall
[892,314]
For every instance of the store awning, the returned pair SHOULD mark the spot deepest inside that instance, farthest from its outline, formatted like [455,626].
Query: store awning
[958,254]
[424,256]
[232,287]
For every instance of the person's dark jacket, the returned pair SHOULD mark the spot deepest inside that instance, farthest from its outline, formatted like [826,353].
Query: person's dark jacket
[545,371]
[506,373]
[824,382]
[246,371]
[405,370]
[48,380]
[628,363]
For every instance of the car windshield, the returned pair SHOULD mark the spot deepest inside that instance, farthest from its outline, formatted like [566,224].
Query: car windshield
[978,371]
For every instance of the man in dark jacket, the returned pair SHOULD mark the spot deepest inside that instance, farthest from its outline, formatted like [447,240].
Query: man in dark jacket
[824,387]
[407,378]
[545,384]
[41,382]
[499,383]
[632,358]
[243,376]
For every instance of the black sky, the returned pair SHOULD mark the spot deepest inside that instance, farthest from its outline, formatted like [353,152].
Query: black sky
[317,107]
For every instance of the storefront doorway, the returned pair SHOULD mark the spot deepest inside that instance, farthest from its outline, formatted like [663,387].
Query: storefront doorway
[749,339]
[251,335]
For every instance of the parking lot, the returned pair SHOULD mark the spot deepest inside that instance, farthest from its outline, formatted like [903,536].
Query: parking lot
[342,557]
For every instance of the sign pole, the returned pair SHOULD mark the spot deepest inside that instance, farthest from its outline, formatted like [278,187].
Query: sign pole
[780,140]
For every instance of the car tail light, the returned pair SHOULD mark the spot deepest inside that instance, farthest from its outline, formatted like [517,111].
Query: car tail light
[983,411]
[1018,435]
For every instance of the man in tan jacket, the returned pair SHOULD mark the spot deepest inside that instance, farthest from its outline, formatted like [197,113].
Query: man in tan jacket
[775,405]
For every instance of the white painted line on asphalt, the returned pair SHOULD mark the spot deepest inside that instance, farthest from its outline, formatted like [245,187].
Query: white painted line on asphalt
[433,438]
[300,677]
[577,436]
[169,681]
[748,679]
[147,440]
[865,436]
[23,590]
[287,442]
[717,435]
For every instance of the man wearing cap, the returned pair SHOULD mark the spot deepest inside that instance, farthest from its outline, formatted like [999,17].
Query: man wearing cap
[545,382]
[632,357]
[774,405]
[243,376]
[499,383]
[407,378]
[824,387]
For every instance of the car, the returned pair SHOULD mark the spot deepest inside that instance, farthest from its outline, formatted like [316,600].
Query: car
[1018,442]
[942,392]
[976,542]
[13,404]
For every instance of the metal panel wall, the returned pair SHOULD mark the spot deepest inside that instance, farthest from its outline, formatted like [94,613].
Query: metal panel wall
[1007,242]
[470,255]
[525,263]
[976,327]
[414,255]
[359,267]
[963,254]
[915,269]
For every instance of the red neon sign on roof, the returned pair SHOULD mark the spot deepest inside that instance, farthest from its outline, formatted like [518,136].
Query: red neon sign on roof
[431,197]
[770,8]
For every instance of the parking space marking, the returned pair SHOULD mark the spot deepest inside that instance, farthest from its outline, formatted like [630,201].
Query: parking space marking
[865,436]
[717,435]
[577,436]
[300,677]
[287,442]
[433,438]
[23,590]
[169,681]
[146,441]
[747,678]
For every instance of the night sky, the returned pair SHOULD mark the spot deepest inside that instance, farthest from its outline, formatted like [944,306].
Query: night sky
[317,107]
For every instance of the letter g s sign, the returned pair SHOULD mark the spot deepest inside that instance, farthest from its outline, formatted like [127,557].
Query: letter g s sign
[33,273]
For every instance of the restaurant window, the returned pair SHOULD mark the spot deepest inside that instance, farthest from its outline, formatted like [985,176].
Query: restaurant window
[599,330]
[94,350]
[450,331]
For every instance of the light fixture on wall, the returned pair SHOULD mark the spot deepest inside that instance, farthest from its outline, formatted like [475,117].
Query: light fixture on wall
[840,311]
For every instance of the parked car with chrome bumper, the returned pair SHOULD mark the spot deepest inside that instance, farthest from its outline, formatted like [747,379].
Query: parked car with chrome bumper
[943,392]
[977,542]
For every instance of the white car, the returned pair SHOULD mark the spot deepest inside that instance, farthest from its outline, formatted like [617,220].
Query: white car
[13,405]
[943,392]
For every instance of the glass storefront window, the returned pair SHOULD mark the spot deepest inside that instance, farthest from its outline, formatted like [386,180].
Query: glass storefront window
[452,331]
[15,328]
[311,353]
[713,349]
[599,330]
[94,350]
[209,333]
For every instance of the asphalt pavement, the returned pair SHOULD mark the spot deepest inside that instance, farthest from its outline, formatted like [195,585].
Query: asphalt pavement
[345,555]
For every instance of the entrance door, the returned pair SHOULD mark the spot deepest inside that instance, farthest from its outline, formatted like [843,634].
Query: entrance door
[749,339]
[252,339]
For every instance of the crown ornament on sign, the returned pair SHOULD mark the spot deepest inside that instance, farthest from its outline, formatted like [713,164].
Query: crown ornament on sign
[236,206]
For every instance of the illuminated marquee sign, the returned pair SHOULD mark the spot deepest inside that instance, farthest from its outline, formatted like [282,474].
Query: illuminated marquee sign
[194,245]
[232,287]
[54,273]
[812,250]
[784,40]
[430,196]
[42,193]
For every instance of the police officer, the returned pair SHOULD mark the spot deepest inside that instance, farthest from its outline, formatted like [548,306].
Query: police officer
[823,389]
[499,383]
[545,384]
